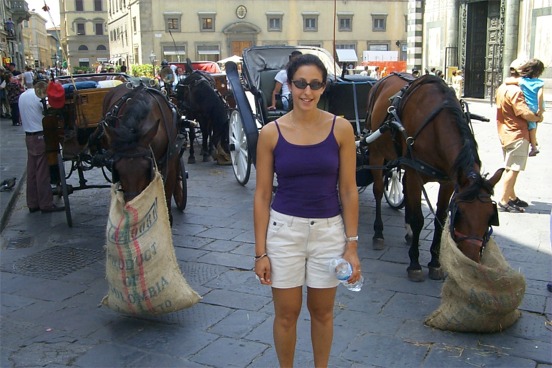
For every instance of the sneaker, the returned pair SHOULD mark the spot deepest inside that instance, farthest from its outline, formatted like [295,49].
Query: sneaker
[534,151]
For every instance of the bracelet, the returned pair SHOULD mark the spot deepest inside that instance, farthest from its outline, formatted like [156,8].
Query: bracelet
[258,258]
[351,239]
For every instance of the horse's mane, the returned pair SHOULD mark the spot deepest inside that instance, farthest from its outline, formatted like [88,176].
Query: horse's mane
[129,131]
[468,157]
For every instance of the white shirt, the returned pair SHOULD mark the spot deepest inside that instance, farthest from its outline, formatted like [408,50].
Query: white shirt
[30,110]
[28,77]
[281,77]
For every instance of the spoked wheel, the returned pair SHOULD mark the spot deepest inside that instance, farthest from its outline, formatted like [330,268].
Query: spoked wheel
[64,190]
[181,190]
[239,152]
[393,188]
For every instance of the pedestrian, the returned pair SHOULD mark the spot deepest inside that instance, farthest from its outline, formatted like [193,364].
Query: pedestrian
[28,77]
[4,103]
[512,117]
[533,91]
[39,191]
[458,83]
[14,89]
[314,215]
[281,87]
[375,73]
[365,71]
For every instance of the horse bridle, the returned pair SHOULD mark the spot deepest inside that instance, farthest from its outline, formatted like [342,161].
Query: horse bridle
[454,211]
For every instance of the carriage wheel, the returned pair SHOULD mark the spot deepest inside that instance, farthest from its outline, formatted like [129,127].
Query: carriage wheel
[181,190]
[393,188]
[64,190]
[239,152]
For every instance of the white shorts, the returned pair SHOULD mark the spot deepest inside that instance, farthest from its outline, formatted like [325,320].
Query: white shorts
[300,250]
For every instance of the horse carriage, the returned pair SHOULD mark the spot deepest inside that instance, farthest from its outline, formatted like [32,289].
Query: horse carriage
[410,131]
[345,95]
[76,134]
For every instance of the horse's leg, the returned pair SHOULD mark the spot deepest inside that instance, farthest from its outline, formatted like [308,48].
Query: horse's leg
[378,242]
[192,136]
[415,218]
[445,192]
[206,151]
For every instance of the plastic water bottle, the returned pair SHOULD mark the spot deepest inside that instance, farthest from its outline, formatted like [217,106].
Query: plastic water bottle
[343,271]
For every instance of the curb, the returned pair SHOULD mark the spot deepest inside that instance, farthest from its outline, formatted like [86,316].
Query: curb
[13,198]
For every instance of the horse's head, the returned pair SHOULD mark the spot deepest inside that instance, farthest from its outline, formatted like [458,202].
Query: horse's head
[130,143]
[473,213]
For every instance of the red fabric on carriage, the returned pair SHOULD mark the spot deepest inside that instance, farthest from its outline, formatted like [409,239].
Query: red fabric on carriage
[56,95]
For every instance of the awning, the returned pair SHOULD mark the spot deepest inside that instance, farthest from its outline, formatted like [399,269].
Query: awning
[181,52]
[208,52]
[346,55]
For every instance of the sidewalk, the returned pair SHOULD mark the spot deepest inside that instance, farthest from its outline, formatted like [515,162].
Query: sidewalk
[13,160]
[52,280]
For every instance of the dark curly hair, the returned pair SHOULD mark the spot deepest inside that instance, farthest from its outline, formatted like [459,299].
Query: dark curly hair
[303,60]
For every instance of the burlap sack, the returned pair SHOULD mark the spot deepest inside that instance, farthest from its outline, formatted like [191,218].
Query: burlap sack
[141,267]
[477,297]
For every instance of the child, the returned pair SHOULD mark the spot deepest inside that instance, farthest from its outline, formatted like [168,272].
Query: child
[532,88]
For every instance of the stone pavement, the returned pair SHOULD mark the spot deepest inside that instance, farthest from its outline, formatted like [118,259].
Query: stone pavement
[53,278]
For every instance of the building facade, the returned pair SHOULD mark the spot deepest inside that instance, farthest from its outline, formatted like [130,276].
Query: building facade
[146,31]
[12,46]
[481,37]
[83,32]
[38,48]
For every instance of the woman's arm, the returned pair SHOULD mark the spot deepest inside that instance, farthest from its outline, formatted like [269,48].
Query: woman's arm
[348,192]
[263,197]
[275,91]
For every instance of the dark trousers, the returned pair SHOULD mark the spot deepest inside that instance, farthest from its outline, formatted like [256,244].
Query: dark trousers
[15,113]
[39,192]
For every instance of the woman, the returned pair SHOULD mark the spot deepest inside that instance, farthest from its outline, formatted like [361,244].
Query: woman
[314,216]
[14,89]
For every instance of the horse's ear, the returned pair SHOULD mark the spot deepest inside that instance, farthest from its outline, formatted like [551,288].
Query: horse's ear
[147,138]
[496,177]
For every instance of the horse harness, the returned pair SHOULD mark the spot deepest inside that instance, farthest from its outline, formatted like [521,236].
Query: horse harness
[112,119]
[393,123]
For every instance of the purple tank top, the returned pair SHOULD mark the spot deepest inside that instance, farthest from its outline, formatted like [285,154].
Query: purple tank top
[307,177]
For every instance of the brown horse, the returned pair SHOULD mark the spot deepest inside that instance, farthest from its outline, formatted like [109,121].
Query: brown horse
[426,131]
[141,129]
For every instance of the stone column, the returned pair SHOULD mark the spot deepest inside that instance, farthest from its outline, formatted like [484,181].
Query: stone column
[511,28]
[415,34]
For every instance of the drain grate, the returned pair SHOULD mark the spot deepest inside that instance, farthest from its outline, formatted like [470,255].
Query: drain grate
[56,262]
[18,243]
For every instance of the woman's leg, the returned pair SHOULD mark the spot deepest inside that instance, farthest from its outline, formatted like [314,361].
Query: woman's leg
[287,306]
[320,303]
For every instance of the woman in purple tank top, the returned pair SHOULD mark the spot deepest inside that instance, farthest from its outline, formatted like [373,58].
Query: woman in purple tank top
[313,217]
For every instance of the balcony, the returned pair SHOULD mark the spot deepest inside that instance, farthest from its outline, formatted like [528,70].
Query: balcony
[20,10]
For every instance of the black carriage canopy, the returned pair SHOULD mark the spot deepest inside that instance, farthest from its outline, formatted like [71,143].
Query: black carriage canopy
[261,58]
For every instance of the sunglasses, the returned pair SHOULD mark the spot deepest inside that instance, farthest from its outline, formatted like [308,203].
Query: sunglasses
[314,85]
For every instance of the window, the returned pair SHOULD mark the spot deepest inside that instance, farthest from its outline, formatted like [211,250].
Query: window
[101,48]
[207,21]
[379,22]
[172,53]
[99,29]
[274,21]
[98,5]
[80,29]
[310,21]
[378,47]
[208,52]
[78,5]
[346,46]
[345,21]
[172,21]
[83,48]
[134,25]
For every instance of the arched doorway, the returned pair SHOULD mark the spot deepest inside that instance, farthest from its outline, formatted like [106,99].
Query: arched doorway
[239,36]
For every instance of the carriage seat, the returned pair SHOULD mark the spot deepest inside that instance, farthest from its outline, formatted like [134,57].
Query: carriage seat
[266,86]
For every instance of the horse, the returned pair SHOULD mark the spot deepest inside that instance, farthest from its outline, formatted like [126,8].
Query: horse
[197,97]
[426,131]
[141,133]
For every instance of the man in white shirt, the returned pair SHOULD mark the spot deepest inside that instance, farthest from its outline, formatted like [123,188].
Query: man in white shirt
[28,77]
[39,192]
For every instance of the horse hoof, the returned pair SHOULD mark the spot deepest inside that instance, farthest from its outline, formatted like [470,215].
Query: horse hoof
[191,160]
[224,162]
[436,273]
[378,244]
[415,275]
[206,159]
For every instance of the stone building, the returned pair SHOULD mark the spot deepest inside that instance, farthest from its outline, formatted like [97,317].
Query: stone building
[83,31]
[481,37]
[147,31]
[13,13]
